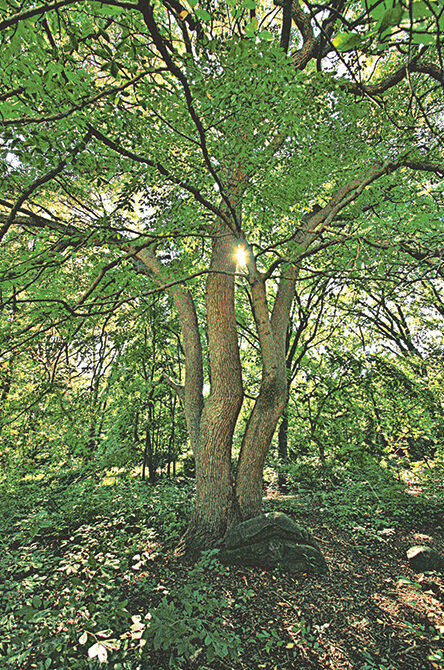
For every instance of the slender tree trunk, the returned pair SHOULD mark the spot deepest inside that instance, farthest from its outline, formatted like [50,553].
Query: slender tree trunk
[170,455]
[5,386]
[145,453]
[283,448]
[136,428]
[273,394]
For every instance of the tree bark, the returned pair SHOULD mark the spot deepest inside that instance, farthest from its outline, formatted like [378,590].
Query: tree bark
[272,397]
[220,501]
[213,509]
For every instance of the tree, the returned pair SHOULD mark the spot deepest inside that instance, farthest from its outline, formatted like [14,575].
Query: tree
[151,144]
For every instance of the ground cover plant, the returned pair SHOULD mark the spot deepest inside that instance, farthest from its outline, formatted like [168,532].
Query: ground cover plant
[90,579]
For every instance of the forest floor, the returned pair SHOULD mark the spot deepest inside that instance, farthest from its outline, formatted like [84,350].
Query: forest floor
[103,588]
[369,611]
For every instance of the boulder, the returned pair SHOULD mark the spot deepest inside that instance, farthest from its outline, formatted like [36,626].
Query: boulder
[425,559]
[272,540]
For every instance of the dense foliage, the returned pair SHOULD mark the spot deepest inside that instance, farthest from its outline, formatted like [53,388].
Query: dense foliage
[221,244]
[89,576]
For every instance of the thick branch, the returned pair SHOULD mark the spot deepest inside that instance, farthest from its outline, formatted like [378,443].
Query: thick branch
[303,22]
[393,79]
[264,331]
[424,166]
[286,24]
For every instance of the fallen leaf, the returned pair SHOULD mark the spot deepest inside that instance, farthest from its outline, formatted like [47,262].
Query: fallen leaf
[98,650]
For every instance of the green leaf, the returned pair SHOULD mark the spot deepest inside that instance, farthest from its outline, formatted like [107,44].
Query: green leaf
[420,10]
[111,10]
[36,601]
[114,69]
[391,18]
[347,41]
[378,10]
[251,27]
[27,612]
[424,38]
[266,35]
[202,14]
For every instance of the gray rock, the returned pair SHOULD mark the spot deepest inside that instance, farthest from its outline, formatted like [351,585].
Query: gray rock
[425,559]
[272,540]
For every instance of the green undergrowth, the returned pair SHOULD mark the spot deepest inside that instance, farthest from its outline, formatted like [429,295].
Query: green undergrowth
[69,558]
[84,562]
[366,494]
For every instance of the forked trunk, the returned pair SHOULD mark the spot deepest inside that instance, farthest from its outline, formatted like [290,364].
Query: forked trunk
[258,435]
[219,500]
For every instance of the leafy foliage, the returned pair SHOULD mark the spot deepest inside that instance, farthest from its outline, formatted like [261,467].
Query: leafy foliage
[88,577]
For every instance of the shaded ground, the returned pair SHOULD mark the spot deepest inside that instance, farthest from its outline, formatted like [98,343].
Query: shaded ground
[369,611]
[109,592]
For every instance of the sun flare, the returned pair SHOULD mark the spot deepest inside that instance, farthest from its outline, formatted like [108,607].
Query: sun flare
[241,256]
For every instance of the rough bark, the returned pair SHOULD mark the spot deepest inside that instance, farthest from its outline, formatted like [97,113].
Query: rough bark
[213,508]
[220,502]
[272,397]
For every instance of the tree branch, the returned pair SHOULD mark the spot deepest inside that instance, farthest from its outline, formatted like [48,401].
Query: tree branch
[393,79]
[160,168]
[79,106]
[147,12]
[39,182]
[42,9]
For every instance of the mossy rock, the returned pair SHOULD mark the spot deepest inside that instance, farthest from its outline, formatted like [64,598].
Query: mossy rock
[270,541]
[425,559]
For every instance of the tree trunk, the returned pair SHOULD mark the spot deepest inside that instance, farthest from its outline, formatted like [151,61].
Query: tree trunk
[213,509]
[220,501]
[272,397]
[283,449]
